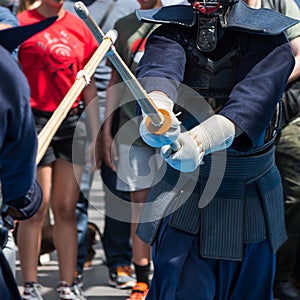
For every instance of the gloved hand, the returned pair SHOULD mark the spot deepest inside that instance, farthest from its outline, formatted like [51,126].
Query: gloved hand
[214,134]
[158,140]
[188,156]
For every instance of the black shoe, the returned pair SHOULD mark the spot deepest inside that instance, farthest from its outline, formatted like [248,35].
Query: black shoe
[285,290]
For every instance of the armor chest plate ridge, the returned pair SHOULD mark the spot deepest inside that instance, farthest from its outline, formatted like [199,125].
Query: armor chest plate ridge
[215,77]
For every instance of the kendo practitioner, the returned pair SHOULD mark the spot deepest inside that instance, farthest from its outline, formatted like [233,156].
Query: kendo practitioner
[216,217]
[21,194]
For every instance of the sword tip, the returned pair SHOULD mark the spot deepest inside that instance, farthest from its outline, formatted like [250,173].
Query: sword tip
[112,34]
[81,10]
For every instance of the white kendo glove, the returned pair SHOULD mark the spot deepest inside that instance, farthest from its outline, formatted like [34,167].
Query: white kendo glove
[162,101]
[214,134]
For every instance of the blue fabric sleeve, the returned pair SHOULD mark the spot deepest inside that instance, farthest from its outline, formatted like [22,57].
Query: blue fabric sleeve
[262,76]
[18,138]
[162,65]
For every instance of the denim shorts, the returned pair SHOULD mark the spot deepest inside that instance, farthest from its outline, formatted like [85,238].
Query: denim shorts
[69,140]
[136,167]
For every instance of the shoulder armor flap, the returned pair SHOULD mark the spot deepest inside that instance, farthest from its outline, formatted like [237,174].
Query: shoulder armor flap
[12,37]
[261,21]
[174,14]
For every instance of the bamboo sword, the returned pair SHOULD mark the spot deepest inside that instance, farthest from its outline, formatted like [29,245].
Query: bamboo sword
[159,120]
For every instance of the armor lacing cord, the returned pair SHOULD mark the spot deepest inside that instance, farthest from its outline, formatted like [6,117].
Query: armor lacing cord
[83,74]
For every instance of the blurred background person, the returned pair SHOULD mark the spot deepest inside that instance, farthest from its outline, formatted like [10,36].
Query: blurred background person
[51,60]
[128,155]
[116,234]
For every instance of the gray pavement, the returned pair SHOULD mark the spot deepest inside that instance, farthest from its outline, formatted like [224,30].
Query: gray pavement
[95,277]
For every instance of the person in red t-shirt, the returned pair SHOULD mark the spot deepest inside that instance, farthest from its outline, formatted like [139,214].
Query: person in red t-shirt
[51,60]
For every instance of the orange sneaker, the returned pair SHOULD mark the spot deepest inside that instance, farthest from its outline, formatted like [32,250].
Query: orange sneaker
[122,278]
[139,291]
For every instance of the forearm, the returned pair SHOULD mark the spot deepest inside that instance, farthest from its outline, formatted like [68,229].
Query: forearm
[295,45]
[90,99]
[113,99]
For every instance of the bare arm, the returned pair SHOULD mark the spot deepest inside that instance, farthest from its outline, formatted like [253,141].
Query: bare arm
[90,99]
[112,101]
[295,45]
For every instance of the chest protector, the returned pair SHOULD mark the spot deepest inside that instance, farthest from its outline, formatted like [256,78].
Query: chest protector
[215,78]
[212,74]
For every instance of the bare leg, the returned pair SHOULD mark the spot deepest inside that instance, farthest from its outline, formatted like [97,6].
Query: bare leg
[65,193]
[140,251]
[29,231]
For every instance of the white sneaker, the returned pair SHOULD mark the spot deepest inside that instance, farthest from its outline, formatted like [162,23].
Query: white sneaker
[67,292]
[78,286]
[77,290]
[32,291]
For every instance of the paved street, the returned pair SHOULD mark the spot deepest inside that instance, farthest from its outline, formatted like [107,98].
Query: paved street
[95,277]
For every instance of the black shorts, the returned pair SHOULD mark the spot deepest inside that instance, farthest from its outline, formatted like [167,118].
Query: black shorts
[65,144]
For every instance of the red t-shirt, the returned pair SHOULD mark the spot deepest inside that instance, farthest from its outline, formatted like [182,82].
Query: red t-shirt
[51,58]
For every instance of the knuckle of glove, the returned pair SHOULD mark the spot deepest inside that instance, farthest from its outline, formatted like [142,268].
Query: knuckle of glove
[190,155]
[165,152]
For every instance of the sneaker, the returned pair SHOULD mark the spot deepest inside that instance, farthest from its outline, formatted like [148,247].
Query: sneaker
[78,280]
[139,291]
[78,286]
[122,278]
[78,292]
[32,291]
[67,292]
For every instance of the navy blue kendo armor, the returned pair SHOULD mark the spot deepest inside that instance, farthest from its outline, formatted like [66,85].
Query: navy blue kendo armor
[250,172]
[215,231]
